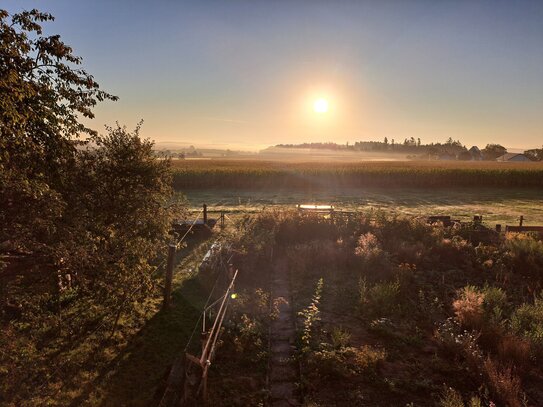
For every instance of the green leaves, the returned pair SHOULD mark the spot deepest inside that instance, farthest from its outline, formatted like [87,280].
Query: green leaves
[87,221]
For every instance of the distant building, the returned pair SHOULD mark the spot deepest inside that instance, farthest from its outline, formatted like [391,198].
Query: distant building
[513,157]
[475,153]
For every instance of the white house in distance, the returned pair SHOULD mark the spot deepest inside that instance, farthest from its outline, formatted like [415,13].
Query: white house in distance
[513,157]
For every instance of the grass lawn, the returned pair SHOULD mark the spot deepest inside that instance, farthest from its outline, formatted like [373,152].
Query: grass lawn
[502,206]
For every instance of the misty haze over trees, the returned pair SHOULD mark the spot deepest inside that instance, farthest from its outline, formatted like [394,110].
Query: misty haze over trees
[451,149]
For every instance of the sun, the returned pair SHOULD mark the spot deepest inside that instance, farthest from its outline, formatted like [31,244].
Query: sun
[320,105]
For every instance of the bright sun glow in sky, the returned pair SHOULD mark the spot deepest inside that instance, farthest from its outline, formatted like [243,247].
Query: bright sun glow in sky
[320,105]
[246,75]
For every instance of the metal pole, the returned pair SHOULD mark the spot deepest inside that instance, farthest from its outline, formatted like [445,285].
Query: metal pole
[169,276]
[204,357]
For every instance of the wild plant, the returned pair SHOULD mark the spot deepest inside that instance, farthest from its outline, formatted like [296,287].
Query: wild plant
[339,337]
[311,316]
[468,308]
[527,321]
[381,298]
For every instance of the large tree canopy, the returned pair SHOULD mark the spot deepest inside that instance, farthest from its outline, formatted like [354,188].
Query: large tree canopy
[42,94]
[83,219]
[42,97]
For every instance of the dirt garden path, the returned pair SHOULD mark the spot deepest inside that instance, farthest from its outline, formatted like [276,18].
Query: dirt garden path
[283,370]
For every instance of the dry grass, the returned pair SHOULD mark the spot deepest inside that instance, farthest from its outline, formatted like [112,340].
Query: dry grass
[513,350]
[504,383]
[469,307]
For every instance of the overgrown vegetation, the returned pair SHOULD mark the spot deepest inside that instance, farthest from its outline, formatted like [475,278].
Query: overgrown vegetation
[393,311]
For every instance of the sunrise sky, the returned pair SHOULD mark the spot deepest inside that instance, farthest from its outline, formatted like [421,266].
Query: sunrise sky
[247,74]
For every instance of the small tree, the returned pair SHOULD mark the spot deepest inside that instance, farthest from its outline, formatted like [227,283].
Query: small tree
[535,154]
[493,151]
[119,214]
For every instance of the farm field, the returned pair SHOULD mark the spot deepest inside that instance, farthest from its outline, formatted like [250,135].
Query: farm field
[503,206]
[259,174]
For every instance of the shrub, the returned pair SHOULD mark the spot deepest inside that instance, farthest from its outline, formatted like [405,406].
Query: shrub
[327,363]
[469,307]
[503,383]
[451,398]
[495,299]
[525,254]
[339,338]
[299,228]
[527,321]
[368,247]
[315,257]
[367,357]
[513,350]
[454,251]
[379,299]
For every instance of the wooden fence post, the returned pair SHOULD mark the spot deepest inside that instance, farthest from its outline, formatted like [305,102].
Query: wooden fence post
[205,214]
[521,220]
[169,276]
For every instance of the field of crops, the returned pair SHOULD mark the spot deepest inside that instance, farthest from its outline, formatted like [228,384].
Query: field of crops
[257,174]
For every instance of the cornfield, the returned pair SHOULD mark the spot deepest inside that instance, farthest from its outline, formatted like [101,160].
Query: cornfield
[195,174]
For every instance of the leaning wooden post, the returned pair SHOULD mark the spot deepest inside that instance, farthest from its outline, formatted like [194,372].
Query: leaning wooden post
[169,276]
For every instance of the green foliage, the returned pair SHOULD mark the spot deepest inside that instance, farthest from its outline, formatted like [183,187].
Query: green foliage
[342,363]
[493,151]
[527,321]
[481,308]
[451,398]
[42,96]
[311,316]
[525,254]
[87,219]
[381,299]
[494,303]
[339,338]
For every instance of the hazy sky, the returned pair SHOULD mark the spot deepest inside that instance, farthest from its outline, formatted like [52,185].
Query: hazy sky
[245,73]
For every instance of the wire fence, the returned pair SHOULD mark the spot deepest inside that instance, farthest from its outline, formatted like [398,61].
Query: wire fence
[104,321]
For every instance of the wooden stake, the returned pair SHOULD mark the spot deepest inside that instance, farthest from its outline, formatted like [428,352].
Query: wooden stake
[169,276]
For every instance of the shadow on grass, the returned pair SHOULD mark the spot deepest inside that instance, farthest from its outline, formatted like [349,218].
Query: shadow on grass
[133,377]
